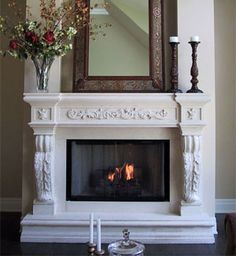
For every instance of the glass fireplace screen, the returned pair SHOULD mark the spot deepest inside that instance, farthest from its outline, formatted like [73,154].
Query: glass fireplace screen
[118,170]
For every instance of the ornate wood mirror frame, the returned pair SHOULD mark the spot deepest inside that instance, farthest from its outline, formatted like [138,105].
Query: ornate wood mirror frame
[82,82]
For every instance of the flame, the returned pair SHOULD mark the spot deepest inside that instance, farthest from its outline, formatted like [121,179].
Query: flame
[129,171]
[111,176]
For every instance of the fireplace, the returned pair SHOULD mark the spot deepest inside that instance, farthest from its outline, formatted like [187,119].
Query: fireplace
[118,170]
[97,152]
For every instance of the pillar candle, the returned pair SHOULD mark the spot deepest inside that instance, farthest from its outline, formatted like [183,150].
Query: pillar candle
[91,228]
[174,39]
[99,247]
[194,39]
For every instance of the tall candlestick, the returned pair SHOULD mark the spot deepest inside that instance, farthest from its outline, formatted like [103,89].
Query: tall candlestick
[194,69]
[91,229]
[174,41]
[99,247]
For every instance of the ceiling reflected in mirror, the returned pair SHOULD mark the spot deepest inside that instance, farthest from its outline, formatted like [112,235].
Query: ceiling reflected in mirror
[122,48]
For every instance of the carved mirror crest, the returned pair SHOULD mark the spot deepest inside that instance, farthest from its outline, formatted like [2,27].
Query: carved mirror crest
[129,57]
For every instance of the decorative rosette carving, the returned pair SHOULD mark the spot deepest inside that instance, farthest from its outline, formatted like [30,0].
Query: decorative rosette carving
[42,114]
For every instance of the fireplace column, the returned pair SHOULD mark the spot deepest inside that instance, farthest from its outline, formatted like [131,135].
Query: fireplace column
[191,125]
[43,122]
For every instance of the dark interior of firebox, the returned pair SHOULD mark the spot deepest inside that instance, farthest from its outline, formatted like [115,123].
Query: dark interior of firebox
[118,170]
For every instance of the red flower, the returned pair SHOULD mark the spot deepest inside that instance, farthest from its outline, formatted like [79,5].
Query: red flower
[34,38]
[31,37]
[49,37]
[13,44]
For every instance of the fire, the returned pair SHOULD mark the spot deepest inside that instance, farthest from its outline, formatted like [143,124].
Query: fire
[111,176]
[126,171]
[129,171]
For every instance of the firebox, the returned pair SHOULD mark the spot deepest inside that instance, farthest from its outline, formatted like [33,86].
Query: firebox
[118,170]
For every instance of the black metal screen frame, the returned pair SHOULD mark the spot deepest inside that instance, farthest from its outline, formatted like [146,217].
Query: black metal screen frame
[70,197]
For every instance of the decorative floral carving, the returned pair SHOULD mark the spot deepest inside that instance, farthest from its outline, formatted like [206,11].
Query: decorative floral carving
[114,85]
[192,162]
[42,114]
[156,11]
[42,167]
[120,113]
[157,41]
[191,113]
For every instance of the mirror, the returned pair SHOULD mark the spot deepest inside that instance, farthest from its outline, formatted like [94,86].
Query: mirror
[129,56]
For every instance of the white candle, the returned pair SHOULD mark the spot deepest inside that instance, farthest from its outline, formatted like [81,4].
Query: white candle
[174,39]
[99,247]
[91,228]
[194,39]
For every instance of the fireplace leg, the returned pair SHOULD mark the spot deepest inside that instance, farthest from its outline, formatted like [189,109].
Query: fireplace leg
[43,203]
[191,203]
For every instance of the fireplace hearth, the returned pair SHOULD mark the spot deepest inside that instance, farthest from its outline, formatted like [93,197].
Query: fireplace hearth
[118,170]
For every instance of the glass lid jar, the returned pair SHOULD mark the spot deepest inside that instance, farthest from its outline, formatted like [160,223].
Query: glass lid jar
[126,246]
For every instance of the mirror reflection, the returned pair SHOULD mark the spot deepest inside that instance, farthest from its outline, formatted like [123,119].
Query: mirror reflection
[124,51]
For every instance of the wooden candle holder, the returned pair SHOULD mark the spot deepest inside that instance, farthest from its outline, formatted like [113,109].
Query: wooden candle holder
[174,68]
[194,69]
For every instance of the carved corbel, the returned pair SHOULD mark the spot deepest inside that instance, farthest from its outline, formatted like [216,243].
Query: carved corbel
[43,168]
[192,164]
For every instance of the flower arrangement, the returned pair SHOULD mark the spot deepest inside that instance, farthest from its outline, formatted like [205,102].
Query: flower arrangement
[50,36]
[44,39]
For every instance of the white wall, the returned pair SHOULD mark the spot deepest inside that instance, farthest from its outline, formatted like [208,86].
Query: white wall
[225,49]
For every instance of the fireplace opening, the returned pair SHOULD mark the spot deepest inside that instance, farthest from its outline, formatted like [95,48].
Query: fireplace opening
[118,170]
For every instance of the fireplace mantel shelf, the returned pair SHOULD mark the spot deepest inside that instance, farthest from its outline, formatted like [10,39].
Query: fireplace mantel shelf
[51,110]
[57,117]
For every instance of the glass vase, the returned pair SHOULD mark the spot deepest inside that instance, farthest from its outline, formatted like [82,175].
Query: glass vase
[42,66]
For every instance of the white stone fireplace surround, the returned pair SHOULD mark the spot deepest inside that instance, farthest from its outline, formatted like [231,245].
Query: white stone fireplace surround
[56,117]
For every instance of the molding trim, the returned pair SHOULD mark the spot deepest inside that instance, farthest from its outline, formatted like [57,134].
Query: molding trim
[146,228]
[10,204]
[225,205]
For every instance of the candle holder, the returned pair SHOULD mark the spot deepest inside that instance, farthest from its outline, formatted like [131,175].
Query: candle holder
[91,249]
[194,69]
[174,68]
[102,252]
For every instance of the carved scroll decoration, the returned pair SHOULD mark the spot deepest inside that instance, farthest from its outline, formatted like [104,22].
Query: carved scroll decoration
[192,163]
[42,167]
[120,113]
